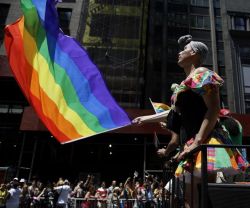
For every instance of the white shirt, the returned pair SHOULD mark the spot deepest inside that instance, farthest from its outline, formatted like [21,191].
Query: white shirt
[13,201]
[64,191]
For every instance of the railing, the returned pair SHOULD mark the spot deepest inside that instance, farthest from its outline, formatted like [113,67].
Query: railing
[94,203]
[121,203]
[225,192]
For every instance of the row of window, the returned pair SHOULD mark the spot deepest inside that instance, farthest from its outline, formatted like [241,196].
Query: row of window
[4,10]
[241,23]
[203,22]
[246,75]
[205,3]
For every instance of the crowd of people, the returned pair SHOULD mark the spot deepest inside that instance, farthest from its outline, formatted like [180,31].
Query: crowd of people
[134,192]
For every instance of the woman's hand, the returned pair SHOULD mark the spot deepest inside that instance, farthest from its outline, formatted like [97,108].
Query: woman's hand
[186,150]
[163,125]
[161,152]
[139,120]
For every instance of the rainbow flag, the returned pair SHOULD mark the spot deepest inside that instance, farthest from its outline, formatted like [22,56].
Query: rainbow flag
[159,107]
[57,76]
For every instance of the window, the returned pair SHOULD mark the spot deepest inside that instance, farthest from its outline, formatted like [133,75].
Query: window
[115,26]
[64,19]
[159,7]
[120,2]
[217,3]
[239,23]
[244,52]
[4,10]
[200,22]
[203,3]
[246,78]
[218,23]
[221,59]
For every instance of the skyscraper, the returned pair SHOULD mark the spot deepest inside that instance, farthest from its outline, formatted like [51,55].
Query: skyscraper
[222,24]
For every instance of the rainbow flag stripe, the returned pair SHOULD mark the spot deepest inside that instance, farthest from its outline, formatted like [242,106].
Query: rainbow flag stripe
[57,76]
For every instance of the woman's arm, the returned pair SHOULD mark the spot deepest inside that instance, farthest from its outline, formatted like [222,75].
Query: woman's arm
[172,145]
[159,117]
[212,101]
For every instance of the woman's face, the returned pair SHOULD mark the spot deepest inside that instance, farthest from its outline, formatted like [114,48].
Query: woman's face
[185,56]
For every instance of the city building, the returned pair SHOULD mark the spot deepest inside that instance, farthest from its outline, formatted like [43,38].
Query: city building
[222,24]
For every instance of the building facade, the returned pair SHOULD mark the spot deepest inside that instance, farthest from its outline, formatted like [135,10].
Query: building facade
[114,33]
[222,24]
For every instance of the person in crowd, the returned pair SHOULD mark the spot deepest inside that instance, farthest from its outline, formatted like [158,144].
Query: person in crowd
[127,192]
[32,187]
[3,195]
[101,195]
[13,196]
[60,181]
[110,193]
[22,182]
[63,189]
[195,107]
[231,125]
[140,193]
[35,200]
[89,198]
[111,188]
[25,198]
[158,193]
[78,191]
[47,200]
[115,197]
[148,194]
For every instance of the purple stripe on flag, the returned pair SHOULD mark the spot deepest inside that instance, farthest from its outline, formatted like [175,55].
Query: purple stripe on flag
[80,57]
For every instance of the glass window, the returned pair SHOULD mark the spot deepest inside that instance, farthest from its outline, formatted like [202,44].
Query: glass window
[193,21]
[246,78]
[64,19]
[159,7]
[120,2]
[206,22]
[217,3]
[239,23]
[4,10]
[221,57]
[203,3]
[218,23]
[244,52]
[201,22]
[115,26]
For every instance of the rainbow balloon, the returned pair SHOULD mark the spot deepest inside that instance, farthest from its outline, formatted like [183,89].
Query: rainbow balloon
[57,76]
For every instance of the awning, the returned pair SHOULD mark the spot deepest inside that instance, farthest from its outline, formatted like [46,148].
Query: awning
[30,122]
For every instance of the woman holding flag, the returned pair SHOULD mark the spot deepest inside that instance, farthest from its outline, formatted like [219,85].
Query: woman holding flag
[193,118]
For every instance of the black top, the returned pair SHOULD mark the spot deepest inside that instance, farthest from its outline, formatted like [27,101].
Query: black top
[187,121]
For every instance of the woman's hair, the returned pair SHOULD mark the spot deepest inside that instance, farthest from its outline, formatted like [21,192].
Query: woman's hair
[198,47]
[184,40]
